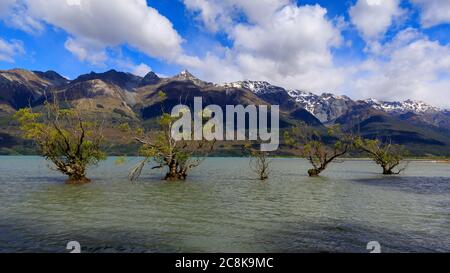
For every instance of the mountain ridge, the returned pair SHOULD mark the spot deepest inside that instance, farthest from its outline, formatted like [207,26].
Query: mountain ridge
[131,81]
[124,97]
[310,101]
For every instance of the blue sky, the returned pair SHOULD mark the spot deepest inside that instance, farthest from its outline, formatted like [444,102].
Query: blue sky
[386,49]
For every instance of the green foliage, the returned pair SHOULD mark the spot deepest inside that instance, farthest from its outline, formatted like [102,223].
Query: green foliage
[387,155]
[124,127]
[162,96]
[259,161]
[315,149]
[161,148]
[63,137]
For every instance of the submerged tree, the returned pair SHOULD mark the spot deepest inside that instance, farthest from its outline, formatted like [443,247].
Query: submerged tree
[259,162]
[389,156]
[65,138]
[316,150]
[162,148]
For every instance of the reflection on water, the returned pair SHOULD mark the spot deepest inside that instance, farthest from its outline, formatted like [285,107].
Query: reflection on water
[221,208]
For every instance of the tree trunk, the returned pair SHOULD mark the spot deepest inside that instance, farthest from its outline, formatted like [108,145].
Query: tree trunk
[314,172]
[174,174]
[77,175]
[77,179]
[263,177]
[387,171]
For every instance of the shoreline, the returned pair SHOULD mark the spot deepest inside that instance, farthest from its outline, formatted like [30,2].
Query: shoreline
[415,159]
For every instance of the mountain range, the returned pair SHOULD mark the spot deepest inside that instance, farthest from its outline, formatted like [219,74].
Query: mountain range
[123,97]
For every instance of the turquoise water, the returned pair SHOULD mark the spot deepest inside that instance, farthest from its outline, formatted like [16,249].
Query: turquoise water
[222,208]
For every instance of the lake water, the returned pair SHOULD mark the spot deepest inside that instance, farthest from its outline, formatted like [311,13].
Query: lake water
[221,208]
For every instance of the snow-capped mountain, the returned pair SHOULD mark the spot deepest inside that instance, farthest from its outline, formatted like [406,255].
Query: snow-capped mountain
[187,76]
[307,99]
[328,107]
[257,87]
[402,106]
[123,96]
[325,107]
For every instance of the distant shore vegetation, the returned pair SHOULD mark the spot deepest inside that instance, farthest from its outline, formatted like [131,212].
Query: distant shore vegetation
[66,138]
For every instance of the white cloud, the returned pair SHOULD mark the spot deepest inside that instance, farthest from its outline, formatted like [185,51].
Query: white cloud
[5,5]
[280,42]
[112,23]
[98,24]
[21,20]
[221,14]
[141,70]
[8,50]
[87,50]
[433,12]
[410,66]
[292,32]
[292,47]
[213,68]
[14,14]
[123,63]
[372,18]
[211,14]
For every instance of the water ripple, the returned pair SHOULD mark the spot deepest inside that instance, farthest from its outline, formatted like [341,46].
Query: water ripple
[222,208]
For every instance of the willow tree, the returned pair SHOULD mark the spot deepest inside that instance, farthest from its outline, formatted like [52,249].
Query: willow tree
[166,151]
[65,138]
[389,156]
[259,162]
[320,149]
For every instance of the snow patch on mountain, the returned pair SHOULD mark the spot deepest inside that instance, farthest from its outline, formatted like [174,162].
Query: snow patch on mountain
[257,87]
[308,100]
[327,107]
[402,106]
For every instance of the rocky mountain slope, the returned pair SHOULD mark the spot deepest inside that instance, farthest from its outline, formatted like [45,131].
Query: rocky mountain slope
[328,107]
[120,97]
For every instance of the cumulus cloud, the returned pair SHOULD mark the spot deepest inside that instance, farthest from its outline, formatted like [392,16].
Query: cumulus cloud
[213,67]
[98,24]
[433,12]
[123,63]
[218,15]
[87,50]
[280,42]
[292,46]
[372,18]
[112,23]
[141,70]
[10,49]
[14,13]
[411,66]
